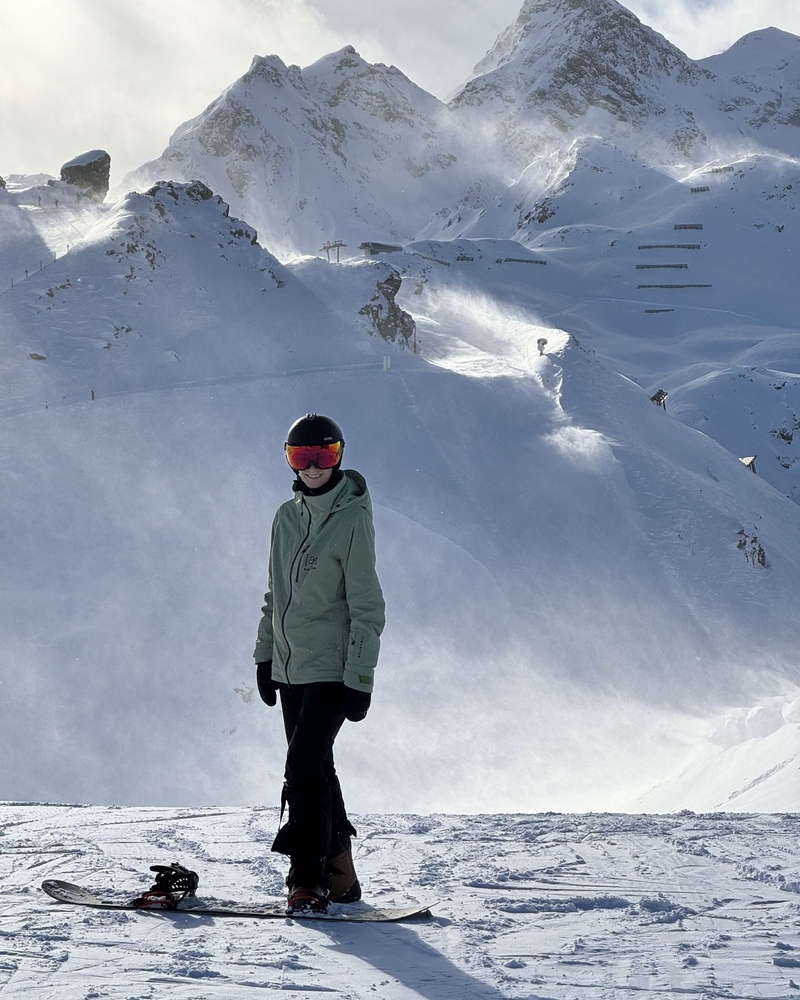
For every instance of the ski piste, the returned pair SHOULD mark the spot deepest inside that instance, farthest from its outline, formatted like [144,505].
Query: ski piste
[66,892]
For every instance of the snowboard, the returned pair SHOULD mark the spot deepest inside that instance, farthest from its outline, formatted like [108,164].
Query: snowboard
[65,892]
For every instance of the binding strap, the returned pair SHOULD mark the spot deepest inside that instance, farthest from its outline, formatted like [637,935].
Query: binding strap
[172,885]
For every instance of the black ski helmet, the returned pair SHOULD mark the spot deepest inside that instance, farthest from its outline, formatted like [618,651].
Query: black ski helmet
[313,428]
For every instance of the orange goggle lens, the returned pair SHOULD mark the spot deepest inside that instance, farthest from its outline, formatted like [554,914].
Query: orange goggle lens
[324,456]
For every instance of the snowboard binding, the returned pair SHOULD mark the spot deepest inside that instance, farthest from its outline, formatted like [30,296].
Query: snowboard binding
[172,885]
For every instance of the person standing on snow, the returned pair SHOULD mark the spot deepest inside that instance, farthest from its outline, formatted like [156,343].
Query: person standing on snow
[318,643]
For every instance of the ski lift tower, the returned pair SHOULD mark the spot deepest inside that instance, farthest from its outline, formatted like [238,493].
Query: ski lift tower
[333,245]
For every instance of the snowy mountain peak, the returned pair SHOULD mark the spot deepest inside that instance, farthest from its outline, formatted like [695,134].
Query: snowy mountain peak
[762,86]
[767,51]
[337,63]
[364,143]
[344,78]
[577,66]
[270,70]
[591,41]
[770,41]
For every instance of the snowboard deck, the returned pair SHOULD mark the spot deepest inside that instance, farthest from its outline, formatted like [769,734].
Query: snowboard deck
[66,892]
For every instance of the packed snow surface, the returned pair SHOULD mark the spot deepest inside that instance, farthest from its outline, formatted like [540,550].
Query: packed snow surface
[524,907]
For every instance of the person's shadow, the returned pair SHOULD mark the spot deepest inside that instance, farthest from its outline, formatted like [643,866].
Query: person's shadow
[397,952]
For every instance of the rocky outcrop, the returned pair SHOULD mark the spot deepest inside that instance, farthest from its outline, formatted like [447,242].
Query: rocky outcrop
[2,183]
[90,172]
[197,191]
[388,319]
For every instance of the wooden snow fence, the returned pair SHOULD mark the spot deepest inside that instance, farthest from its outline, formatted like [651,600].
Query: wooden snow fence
[518,260]
[660,398]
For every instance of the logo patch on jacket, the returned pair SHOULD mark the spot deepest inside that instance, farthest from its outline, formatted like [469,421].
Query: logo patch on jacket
[310,563]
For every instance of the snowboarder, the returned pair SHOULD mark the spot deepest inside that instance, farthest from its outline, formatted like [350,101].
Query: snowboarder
[318,643]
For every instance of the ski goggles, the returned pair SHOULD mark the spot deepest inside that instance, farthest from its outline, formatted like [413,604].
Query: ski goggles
[324,456]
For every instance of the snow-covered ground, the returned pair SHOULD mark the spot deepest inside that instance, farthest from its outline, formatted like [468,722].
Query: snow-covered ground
[524,906]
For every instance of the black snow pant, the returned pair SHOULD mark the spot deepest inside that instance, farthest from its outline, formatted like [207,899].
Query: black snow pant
[318,828]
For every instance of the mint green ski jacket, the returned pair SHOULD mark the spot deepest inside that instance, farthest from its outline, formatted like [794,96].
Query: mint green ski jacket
[324,612]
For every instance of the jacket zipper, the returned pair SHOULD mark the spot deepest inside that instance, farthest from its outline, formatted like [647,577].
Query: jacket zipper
[291,591]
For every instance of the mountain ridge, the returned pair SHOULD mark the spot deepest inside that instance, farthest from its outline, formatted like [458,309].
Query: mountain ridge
[347,150]
[604,572]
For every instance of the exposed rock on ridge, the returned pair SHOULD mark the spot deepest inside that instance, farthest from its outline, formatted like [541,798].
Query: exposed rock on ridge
[90,172]
[388,319]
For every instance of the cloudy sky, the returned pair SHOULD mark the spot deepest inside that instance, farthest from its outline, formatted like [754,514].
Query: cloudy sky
[122,74]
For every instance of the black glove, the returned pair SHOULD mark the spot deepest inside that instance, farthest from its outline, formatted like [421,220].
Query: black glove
[356,704]
[267,687]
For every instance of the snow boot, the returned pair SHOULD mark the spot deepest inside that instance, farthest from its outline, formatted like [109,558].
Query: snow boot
[308,887]
[343,879]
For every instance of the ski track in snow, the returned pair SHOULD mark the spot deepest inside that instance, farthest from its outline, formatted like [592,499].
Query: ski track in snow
[526,906]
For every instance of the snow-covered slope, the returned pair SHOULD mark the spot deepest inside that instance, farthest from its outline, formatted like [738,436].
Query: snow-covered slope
[687,285]
[559,906]
[560,556]
[39,221]
[749,763]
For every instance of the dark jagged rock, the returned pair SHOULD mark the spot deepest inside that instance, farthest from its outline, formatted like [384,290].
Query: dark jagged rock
[2,183]
[195,191]
[389,320]
[90,172]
